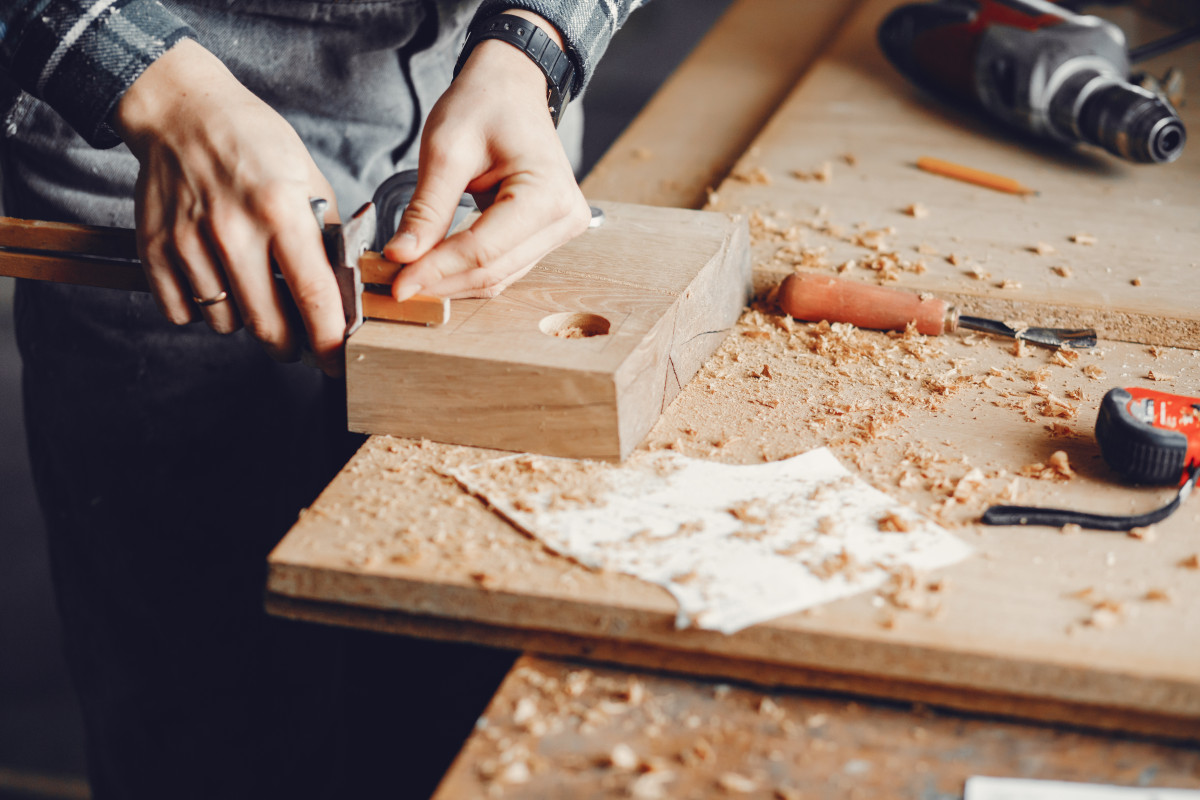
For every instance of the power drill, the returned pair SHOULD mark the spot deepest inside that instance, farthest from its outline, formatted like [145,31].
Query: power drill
[1037,67]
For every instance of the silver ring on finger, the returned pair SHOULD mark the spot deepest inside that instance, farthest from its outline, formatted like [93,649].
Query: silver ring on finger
[219,297]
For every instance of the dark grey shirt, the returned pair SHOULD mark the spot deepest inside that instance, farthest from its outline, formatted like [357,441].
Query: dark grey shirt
[79,56]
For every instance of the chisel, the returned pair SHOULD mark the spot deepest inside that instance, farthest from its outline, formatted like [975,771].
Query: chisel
[813,297]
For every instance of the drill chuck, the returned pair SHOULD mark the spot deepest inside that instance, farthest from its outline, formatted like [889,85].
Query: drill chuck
[1036,67]
[1128,121]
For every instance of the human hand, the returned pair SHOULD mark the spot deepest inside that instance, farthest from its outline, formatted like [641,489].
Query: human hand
[223,191]
[490,134]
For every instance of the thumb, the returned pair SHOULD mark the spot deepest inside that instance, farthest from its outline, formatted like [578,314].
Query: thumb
[429,214]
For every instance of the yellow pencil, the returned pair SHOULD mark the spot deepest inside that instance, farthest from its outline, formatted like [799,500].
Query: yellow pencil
[975,176]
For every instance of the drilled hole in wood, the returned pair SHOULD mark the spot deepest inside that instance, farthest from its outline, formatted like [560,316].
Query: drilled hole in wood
[574,325]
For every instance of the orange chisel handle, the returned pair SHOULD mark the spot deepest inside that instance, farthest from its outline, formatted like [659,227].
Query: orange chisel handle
[814,297]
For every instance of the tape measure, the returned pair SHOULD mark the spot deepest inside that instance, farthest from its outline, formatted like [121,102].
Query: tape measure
[1149,436]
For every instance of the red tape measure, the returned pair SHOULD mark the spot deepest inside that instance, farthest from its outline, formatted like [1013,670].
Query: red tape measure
[1149,436]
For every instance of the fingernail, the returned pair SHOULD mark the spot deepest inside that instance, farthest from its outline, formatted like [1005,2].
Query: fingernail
[405,242]
[402,291]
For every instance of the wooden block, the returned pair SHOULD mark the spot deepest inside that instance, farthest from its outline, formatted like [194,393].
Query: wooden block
[421,308]
[577,359]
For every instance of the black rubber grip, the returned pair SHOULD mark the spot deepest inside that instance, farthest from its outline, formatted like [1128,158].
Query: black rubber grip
[1137,450]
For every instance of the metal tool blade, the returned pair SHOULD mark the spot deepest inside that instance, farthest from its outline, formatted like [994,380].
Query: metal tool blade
[1076,338]
[344,244]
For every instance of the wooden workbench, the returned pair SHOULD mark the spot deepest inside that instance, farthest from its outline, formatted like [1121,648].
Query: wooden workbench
[513,726]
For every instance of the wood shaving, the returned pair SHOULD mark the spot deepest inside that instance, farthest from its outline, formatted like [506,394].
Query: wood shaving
[1158,376]
[1145,534]
[822,174]
[1135,281]
[735,783]
[978,273]
[1008,284]
[917,210]
[1158,596]
[764,373]
[1061,464]
[1094,372]
[956,260]
[1059,469]
[894,522]
[1062,271]
[1083,238]
[1055,406]
[969,485]
[1043,249]
[1191,562]
[1070,529]
[1065,357]
[850,159]
[622,757]
[755,176]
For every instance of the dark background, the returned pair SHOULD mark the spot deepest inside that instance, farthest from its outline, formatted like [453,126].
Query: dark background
[41,741]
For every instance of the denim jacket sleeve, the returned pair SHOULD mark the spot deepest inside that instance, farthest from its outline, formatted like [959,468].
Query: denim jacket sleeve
[587,26]
[80,56]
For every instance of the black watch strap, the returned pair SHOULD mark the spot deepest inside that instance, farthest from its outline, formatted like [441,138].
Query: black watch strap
[533,42]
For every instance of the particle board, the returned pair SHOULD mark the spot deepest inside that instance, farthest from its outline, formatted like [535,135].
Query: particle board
[1134,283]
[1018,631]
[643,300]
[555,729]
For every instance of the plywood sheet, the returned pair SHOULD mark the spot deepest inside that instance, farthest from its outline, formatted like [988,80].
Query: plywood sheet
[554,729]
[853,104]
[1096,629]
[647,297]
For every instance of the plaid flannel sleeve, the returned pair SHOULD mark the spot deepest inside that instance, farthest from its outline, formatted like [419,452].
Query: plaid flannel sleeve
[80,56]
[587,26]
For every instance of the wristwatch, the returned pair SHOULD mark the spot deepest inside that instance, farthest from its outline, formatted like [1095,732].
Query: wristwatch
[533,42]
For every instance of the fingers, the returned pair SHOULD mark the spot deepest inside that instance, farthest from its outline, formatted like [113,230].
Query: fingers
[206,279]
[252,286]
[430,212]
[503,244]
[301,258]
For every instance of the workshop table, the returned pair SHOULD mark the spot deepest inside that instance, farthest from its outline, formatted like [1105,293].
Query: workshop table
[561,729]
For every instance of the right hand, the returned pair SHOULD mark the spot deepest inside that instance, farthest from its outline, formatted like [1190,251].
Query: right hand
[223,192]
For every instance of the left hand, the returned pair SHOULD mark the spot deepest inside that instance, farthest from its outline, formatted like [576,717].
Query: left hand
[490,134]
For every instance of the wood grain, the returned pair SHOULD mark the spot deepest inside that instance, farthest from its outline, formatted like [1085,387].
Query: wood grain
[1133,284]
[565,721]
[707,113]
[1016,629]
[664,284]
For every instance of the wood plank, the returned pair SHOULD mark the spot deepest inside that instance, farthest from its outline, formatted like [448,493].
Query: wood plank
[1020,626]
[563,721]
[1143,217]
[707,113]
[127,275]
[65,237]
[578,358]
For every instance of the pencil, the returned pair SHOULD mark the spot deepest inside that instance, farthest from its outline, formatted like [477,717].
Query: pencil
[970,175]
